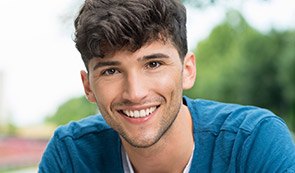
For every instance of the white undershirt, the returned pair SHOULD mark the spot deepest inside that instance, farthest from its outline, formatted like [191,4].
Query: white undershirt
[128,167]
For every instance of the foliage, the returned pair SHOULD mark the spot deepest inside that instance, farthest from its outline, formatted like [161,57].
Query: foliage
[238,64]
[207,3]
[200,3]
[73,109]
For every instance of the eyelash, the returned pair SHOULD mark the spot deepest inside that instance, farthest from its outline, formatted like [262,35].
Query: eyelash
[114,71]
[158,64]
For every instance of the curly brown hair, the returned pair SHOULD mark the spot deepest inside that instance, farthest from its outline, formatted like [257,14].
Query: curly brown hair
[106,26]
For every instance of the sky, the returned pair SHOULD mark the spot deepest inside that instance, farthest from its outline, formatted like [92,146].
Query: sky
[40,66]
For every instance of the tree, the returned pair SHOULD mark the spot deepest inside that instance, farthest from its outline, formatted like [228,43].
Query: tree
[73,109]
[286,73]
[238,64]
[206,3]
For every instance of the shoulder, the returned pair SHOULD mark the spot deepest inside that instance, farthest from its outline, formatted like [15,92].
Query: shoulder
[244,137]
[94,124]
[82,146]
[215,116]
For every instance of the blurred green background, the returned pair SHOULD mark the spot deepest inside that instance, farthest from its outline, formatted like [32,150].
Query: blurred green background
[238,64]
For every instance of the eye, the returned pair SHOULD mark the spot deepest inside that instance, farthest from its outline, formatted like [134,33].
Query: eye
[153,64]
[109,72]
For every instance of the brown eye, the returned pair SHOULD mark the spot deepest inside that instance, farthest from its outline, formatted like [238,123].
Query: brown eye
[153,64]
[109,72]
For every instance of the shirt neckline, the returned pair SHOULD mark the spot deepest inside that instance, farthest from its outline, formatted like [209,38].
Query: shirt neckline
[129,169]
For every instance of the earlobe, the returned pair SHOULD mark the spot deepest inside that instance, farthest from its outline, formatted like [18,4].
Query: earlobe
[189,71]
[87,89]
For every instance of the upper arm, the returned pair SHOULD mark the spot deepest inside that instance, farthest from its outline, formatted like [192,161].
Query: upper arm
[269,148]
[52,158]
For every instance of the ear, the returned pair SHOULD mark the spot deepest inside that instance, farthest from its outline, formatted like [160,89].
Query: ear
[87,89]
[189,71]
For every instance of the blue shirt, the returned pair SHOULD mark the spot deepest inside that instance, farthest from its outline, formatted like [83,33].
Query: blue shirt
[228,138]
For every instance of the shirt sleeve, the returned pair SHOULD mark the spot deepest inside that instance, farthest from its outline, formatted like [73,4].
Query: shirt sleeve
[269,148]
[52,160]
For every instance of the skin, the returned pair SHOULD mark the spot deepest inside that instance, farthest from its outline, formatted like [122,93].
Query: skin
[152,77]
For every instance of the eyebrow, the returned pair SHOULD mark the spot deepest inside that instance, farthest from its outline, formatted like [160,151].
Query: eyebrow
[153,56]
[106,63]
[116,63]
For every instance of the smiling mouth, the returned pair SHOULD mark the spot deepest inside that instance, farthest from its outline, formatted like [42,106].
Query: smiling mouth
[142,113]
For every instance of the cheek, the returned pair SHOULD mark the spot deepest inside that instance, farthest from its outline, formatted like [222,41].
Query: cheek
[105,94]
[169,81]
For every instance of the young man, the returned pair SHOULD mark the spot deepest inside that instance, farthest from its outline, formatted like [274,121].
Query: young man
[137,64]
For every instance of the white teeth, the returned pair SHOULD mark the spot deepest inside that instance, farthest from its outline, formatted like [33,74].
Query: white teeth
[142,113]
[136,114]
[139,113]
[131,114]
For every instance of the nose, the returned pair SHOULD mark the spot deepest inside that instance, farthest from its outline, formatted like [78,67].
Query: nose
[135,88]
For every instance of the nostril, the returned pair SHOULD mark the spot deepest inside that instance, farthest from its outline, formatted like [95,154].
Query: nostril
[135,95]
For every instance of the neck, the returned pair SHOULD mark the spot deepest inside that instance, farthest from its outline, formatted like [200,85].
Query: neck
[171,153]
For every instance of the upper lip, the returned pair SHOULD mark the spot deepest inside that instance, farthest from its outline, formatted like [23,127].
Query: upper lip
[137,107]
[139,113]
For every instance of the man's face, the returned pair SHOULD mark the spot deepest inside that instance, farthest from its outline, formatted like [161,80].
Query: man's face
[139,93]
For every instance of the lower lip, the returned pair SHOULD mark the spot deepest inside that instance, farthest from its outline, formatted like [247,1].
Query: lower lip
[139,120]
